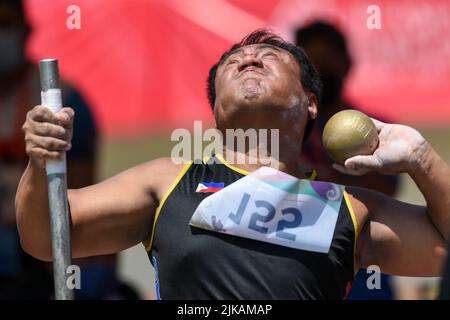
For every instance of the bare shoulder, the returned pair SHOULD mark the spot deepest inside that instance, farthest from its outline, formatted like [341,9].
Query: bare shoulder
[147,181]
[369,204]
[364,202]
[157,175]
[361,200]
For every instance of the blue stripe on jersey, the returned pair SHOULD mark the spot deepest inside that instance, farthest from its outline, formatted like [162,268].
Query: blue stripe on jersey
[155,265]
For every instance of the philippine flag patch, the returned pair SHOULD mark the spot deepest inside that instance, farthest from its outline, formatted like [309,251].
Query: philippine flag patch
[209,186]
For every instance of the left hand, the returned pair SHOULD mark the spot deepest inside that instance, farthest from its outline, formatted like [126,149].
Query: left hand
[400,149]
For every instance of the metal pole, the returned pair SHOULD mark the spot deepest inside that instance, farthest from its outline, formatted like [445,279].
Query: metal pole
[57,187]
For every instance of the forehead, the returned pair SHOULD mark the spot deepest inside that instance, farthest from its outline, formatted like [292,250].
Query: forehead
[261,47]
[257,47]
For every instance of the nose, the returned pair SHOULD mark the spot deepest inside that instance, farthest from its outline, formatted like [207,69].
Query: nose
[250,60]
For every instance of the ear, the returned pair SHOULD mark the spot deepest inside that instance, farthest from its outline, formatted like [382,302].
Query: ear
[312,105]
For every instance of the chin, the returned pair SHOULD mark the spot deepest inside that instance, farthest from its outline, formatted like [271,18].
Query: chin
[251,93]
[251,90]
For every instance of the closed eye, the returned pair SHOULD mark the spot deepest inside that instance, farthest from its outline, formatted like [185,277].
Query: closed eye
[269,54]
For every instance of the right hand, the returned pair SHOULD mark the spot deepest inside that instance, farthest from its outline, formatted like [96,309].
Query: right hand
[401,149]
[48,135]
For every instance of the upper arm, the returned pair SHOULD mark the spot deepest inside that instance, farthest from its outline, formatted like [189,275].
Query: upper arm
[117,213]
[398,237]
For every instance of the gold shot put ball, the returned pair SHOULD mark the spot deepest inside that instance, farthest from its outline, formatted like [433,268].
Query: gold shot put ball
[349,133]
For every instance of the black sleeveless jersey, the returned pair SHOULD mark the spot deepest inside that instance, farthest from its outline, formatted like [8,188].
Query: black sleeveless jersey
[192,263]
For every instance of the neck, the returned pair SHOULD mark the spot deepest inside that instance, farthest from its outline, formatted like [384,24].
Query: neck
[264,136]
[277,151]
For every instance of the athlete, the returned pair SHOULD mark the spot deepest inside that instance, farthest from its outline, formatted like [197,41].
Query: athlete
[262,82]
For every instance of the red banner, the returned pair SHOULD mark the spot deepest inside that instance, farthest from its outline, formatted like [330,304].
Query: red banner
[142,64]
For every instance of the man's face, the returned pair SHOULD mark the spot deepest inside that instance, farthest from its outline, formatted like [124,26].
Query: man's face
[257,76]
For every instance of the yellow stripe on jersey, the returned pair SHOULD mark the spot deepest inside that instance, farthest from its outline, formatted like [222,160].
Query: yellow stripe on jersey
[245,172]
[238,170]
[355,223]
[166,195]
[352,213]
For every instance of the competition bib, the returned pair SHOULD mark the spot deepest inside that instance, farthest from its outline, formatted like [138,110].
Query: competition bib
[271,206]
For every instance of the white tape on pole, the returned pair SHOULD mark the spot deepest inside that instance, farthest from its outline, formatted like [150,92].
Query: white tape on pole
[52,99]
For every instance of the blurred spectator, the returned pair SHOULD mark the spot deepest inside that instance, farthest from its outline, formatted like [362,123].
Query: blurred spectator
[327,48]
[99,280]
[21,276]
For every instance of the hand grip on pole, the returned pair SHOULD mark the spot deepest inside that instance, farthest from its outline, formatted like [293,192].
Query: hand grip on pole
[51,98]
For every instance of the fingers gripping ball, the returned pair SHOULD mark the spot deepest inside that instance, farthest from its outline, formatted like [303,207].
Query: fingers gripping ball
[349,133]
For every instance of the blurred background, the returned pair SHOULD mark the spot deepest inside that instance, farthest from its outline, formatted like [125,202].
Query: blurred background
[134,70]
